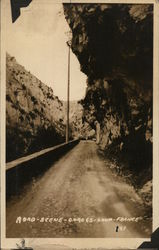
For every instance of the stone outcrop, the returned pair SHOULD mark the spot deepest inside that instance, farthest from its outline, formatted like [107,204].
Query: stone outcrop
[78,128]
[114,45]
[34,115]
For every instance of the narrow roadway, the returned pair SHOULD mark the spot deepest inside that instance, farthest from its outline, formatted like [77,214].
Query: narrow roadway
[79,185]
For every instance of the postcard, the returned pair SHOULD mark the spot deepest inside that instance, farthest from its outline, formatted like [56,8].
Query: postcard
[79,124]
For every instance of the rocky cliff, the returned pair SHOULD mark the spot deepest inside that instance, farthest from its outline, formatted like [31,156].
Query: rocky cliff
[114,45]
[34,115]
[78,127]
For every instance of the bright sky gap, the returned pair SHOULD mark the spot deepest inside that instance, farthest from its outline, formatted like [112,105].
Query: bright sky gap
[40,46]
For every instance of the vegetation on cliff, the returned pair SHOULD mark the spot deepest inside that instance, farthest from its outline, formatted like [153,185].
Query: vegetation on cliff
[34,115]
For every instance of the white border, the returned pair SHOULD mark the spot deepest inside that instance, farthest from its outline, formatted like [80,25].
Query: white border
[109,243]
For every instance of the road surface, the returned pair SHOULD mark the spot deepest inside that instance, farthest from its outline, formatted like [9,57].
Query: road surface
[78,196]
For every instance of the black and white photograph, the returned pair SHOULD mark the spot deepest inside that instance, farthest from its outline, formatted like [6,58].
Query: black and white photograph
[79,102]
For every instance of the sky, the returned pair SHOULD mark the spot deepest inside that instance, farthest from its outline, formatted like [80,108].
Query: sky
[38,42]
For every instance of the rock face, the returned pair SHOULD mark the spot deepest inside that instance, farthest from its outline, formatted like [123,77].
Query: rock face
[34,115]
[114,45]
[78,127]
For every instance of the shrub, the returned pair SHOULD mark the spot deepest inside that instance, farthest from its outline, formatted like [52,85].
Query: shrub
[8,98]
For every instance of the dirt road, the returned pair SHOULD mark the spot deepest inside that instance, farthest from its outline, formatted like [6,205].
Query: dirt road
[78,197]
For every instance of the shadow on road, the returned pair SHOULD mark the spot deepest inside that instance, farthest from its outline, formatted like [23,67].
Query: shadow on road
[25,172]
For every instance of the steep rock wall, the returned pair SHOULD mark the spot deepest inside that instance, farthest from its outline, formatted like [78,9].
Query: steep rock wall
[78,128]
[34,115]
[114,45]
